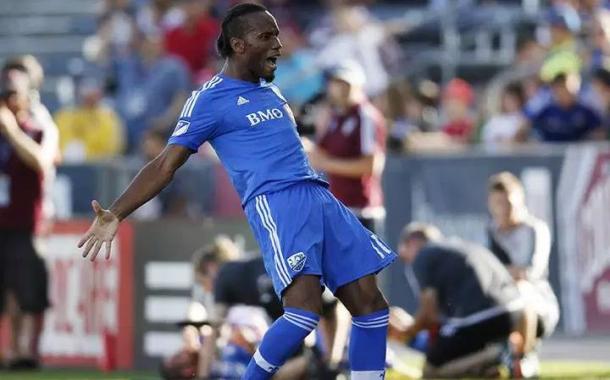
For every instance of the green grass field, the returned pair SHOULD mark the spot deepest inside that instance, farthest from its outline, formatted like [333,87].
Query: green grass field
[550,370]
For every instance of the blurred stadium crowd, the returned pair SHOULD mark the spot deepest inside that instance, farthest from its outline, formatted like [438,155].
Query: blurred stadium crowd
[146,56]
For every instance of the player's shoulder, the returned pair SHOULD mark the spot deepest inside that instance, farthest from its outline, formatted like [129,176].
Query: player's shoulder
[207,100]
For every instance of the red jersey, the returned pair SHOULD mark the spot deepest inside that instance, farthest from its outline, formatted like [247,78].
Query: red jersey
[459,129]
[358,132]
[193,46]
[21,188]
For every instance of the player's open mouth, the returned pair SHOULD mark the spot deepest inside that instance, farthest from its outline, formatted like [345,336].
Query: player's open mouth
[272,62]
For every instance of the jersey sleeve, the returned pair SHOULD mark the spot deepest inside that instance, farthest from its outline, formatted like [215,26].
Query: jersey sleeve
[197,122]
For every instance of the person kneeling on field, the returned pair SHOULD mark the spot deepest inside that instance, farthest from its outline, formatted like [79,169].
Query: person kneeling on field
[469,295]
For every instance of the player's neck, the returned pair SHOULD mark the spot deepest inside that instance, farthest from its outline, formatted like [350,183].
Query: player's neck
[233,70]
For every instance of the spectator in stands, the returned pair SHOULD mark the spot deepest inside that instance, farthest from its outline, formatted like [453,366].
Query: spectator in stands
[503,127]
[522,243]
[524,69]
[601,88]
[354,34]
[563,55]
[599,40]
[457,124]
[193,41]
[158,17]
[115,33]
[566,118]
[27,154]
[351,150]
[417,112]
[90,130]
[458,97]
[297,74]
[151,89]
[468,292]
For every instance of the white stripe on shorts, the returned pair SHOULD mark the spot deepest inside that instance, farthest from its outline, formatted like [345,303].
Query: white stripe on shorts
[266,207]
[284,278]
[381,244]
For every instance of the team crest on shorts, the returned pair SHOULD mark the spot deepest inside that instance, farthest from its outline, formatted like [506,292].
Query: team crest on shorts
[297,261]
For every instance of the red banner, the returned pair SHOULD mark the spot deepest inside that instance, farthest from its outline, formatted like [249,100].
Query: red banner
[90,322]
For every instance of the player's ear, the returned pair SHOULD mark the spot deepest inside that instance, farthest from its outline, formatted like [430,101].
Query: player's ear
[238,45]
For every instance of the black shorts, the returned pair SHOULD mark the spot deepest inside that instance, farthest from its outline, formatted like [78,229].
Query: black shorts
[22,272]
[470,339]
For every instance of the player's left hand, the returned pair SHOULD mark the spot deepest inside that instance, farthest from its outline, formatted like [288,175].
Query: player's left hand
[102,230]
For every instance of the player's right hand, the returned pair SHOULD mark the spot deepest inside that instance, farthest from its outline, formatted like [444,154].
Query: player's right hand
[102,230]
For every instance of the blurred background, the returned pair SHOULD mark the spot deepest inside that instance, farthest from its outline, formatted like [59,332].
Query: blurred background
[467,88]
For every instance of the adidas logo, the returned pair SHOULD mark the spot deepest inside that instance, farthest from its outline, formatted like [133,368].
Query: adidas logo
[241,100]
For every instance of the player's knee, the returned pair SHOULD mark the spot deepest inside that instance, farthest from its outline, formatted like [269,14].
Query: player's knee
[304,293]
[370,303]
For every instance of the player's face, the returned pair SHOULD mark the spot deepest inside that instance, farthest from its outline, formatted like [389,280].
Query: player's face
[262,45]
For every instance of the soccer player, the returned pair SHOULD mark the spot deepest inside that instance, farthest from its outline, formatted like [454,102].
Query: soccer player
[307,237]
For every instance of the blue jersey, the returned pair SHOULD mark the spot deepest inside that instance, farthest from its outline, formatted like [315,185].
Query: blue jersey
[253,131]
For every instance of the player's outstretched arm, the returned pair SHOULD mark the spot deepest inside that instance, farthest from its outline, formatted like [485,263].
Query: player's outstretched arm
[153,177]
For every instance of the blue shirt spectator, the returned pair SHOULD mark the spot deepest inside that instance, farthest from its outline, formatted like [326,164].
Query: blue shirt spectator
[566,118]
[151,89]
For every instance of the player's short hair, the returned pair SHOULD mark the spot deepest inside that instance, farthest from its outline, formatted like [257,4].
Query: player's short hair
[505,182]
[421,231]
[221,251]
[234,26]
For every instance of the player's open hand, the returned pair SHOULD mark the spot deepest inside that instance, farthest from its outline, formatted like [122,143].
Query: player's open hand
[102,230]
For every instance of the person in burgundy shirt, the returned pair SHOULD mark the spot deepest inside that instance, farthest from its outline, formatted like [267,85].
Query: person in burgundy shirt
[351,150]
[193,41]
[26,155]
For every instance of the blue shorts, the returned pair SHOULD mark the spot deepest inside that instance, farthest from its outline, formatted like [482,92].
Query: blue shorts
[304,229]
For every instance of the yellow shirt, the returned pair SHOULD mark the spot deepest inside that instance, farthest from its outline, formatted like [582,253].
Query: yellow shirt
[561,59]
[89,133]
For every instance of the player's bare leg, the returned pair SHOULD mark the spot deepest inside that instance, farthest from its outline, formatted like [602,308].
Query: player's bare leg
[362,296]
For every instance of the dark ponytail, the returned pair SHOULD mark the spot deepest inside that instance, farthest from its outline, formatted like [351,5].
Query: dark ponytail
[231,27]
